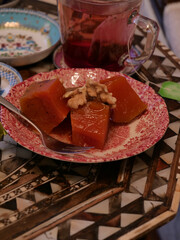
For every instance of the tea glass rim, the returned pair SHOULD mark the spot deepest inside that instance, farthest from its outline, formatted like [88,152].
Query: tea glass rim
[107,2]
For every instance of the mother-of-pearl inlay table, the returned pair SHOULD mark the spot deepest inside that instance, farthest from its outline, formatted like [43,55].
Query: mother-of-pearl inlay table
[43,198]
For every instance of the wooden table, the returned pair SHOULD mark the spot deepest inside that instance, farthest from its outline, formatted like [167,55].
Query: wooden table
[42,198]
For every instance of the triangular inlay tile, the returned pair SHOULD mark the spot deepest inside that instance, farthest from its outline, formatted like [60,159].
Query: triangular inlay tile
[127,198]
[149,205]
[78,225]
[158,53]
[176,113]
[23,203]
[101,208]
[5,212]
[159,73]
[52,234]
[168,63]
[175,126]
[176,73]
[164,173]
[105,232]
[55,187]
[127,218]
[168,157]
[171,142]
[139,184]
[73,179]
[161,191]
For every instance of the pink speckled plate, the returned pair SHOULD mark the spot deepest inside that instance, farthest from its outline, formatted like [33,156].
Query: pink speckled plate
[123,140]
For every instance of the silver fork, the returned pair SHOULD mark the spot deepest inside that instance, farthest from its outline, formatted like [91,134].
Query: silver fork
[49,142]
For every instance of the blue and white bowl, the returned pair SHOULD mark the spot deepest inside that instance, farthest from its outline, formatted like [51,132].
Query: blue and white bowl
[9,77]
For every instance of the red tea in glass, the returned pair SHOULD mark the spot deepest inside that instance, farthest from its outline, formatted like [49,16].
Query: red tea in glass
[97,33]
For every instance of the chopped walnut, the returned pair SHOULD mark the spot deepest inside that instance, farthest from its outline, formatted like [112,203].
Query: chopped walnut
[90,91]
[76,97]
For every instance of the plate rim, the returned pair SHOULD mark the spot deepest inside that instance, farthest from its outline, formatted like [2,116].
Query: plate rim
[72,157]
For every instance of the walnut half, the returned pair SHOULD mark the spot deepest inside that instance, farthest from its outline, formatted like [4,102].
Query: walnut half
[90,91]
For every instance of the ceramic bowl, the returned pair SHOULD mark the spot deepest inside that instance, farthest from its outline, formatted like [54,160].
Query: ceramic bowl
[26,36]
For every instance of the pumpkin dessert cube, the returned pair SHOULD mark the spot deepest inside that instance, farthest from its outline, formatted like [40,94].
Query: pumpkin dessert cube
[43,104]
[90,124]
[128,103]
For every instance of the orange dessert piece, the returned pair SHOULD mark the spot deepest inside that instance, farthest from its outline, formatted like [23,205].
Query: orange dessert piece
[43,104]
[90,124]
[128,104]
